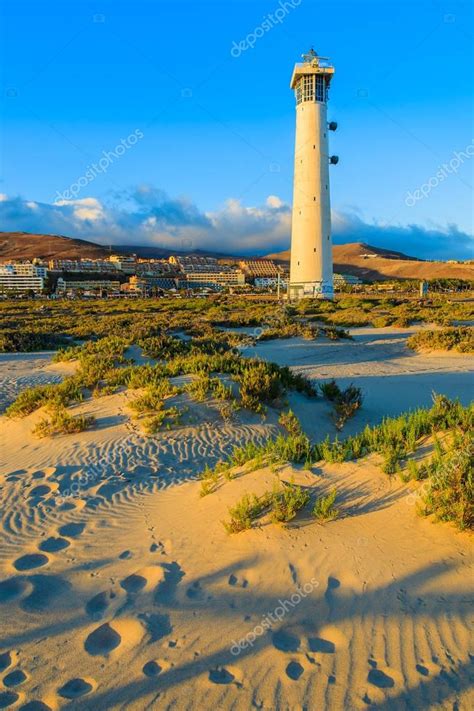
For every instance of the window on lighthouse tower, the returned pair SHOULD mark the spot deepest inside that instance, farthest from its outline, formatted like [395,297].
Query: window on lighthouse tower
[320,88]
[308,87]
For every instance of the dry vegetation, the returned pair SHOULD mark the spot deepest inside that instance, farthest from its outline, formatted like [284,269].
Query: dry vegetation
[450,472]
[189,337]
[460,339]
[32,325]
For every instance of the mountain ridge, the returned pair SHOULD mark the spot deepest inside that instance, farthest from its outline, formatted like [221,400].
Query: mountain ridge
[356,258]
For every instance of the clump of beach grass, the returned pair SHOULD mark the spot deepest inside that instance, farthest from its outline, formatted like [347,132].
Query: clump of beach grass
[324,508]
[61,422]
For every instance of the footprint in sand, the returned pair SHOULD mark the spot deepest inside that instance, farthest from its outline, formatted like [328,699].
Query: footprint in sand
[8,698]
[14,678]
[157,625]
[221,675]
[46,593]
[166,590]
[12,588]
[35,706]
[151,668]
[134,583]
[97,605]
[5,661]
[102,641]
[71,530]
[38,475]
[125,555]
[285,641]
[324,646]
[39,491]
[195,591]
[67,506]
[53,545]
[379,679]
[75,688]
[294,670]
[421,669]
[235,581]
[30,561]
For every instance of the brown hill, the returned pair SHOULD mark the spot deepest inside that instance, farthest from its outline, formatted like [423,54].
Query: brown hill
[362,260]
[24,245]
[376,264]
[28,246]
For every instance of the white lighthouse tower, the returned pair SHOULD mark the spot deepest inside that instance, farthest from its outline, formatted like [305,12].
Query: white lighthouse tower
[311,274]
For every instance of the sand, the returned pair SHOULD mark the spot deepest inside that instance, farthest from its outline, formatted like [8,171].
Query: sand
[120,589]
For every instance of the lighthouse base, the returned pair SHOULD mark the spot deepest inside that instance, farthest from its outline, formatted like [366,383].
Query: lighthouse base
[310,290]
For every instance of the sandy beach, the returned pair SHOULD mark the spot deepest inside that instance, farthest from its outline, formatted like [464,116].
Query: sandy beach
[120,588]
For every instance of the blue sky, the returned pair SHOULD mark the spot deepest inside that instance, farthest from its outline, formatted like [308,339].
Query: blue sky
[213,166]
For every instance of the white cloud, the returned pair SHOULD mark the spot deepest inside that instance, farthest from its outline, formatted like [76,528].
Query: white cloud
[84,208]
[274,201]
[148,216]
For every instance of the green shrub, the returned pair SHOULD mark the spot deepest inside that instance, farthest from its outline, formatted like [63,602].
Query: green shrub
[111,347]
[102,390]
[162,418]
[247,510]
[382,321]
[330,390]
[61,422]
[25,342]
[209,481]
[259,385]
[290,422]
[460,338]
[413,470]
[346,405]
[324,509]
[287,501]
[450,496]
[28,401]
[152,398]
[334,334]
[60,394]
[198,388]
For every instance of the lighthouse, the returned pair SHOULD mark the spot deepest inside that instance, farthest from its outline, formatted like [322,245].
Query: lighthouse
[311,272]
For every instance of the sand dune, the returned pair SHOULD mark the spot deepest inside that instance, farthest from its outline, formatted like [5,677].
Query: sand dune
[376,264]
[119,587]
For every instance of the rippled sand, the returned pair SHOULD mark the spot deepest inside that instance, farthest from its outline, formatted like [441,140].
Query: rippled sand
[119,588]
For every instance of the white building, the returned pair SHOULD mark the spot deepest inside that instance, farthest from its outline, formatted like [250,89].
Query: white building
[195,263]
[346,279]
[229,277]
[311,245]
[21,278]
[126,264]
[269,283]
[87,286]
[81,265]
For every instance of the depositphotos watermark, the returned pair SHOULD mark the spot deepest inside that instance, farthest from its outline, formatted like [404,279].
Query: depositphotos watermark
[272,618]
[269,22]
[460,459]
[80,482]
[101,166]
[440,176]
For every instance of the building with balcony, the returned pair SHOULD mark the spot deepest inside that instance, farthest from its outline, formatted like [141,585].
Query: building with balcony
[220,279]
[253,268]
[22,278]
[94,287]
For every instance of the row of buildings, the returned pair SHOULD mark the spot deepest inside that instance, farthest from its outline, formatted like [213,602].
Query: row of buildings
[132,276]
